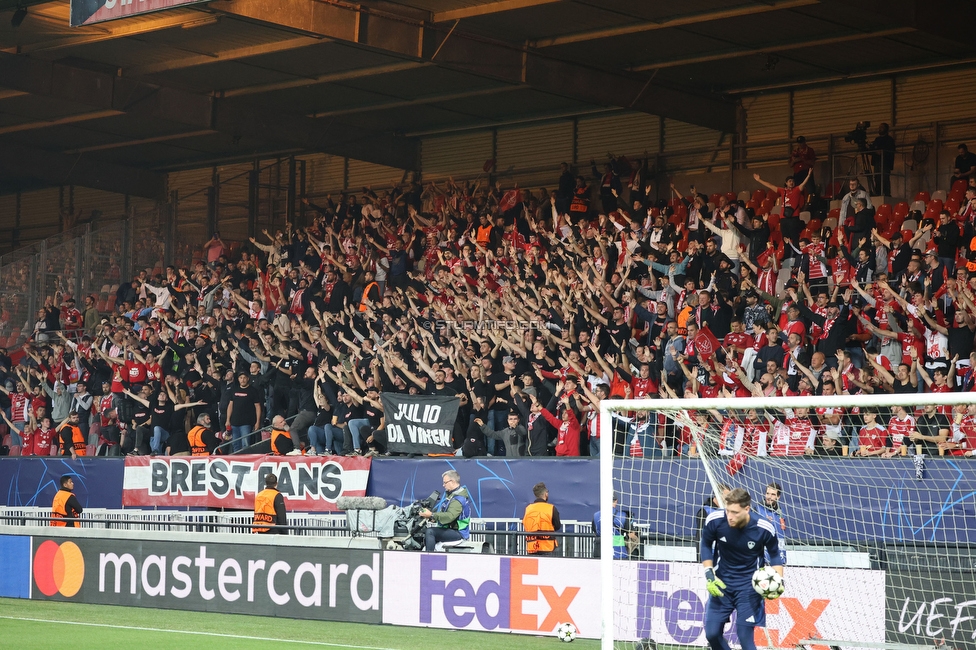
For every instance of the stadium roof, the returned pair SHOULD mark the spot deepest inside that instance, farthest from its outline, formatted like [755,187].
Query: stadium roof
[116,104]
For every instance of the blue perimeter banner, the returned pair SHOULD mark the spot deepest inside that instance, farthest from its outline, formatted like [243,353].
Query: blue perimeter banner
[34,481]
[858,500]
[499,488]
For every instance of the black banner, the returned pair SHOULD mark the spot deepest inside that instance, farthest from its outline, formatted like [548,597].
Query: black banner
[328,584]
[420,424]
[929,605]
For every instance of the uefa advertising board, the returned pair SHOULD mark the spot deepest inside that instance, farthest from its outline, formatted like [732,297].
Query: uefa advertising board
[296,582]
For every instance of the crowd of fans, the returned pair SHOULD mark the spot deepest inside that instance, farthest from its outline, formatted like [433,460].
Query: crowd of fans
[529,306]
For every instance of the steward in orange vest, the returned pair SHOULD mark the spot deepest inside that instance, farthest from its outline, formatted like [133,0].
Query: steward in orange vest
[540,515]
[202,440]
[72,439]
[269,508]
[65,507]
[371,295]
[281,442]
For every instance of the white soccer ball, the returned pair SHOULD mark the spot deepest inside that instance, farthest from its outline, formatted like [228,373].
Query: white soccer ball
[566,632]
[768,583]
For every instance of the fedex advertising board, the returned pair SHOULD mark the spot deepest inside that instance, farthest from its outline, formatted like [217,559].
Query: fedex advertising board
[669,602]
[489,592]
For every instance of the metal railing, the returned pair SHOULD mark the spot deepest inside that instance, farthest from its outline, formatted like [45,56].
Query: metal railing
[503,536]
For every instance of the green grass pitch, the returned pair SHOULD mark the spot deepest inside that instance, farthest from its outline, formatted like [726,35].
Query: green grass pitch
[27,624]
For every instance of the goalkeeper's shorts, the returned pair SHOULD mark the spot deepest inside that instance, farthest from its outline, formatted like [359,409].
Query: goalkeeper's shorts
[748,605]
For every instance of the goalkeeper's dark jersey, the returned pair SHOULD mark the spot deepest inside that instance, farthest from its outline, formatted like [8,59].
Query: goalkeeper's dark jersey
[737,552]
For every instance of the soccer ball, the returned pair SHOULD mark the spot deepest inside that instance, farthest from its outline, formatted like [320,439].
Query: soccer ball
[768,583]
[566,632]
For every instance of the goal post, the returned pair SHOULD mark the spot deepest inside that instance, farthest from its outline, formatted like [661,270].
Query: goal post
[870,531]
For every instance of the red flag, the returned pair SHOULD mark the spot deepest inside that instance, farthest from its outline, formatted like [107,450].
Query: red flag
[509,200]
[705,342]
[738,462]
[636,451]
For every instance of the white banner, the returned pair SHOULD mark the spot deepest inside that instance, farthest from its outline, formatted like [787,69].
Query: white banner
[490,592]
[307,483]
[665,601]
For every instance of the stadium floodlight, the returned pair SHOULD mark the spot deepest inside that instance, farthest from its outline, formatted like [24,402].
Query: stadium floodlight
[878,526]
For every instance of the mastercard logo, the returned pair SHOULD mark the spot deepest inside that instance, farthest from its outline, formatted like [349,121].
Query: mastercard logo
[59,568]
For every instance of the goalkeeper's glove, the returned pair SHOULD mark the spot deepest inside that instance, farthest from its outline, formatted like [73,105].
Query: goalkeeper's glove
[714,585]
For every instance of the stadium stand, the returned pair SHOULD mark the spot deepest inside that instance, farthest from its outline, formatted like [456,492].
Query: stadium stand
[519,302]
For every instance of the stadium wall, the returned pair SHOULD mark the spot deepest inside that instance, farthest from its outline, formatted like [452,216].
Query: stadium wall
[665,494]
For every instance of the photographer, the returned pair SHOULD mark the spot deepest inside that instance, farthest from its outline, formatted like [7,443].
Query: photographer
[451,518]
[883,161]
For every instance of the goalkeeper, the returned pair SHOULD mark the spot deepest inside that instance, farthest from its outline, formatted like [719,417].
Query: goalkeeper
[733,543]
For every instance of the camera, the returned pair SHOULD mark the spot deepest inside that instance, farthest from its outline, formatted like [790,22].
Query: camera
[413,528]
[859,135]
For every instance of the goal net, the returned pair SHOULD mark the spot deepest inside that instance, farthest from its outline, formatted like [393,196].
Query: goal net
[873,498]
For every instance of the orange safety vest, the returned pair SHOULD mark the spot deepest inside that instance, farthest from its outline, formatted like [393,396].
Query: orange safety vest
[581,200]
[365,299]
[264,510]
[197,446]
[484,234]
[276,434]
[538,517]
[59,510]
[77,440]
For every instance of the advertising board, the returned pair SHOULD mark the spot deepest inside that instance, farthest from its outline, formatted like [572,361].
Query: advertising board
[265,580]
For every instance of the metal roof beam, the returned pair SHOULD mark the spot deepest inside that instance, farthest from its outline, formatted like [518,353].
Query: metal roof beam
[122,29]
[29,164]
[221,56]
[487,9]
[770,49]
[236,117]
[676,21]
[446,47]
[420,101]
[952,20]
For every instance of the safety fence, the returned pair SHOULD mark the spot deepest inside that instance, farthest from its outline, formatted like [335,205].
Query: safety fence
[88,260]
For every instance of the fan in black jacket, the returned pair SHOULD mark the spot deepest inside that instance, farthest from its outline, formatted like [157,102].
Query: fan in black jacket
[540,433]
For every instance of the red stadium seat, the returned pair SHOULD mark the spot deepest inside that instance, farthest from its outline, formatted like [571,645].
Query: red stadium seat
[774,222]
[732,197]
[772,195]
[754,206]
[952,205]
[715,198]
[833,190]
[766,207]
[924,197]
[960,185]
[815,225]
[15,450]
[935,205]
[901,209]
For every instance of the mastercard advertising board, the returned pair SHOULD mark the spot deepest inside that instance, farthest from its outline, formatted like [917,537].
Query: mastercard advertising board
[329,584]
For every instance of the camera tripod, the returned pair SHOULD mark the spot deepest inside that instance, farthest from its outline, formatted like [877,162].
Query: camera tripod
[861,166]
